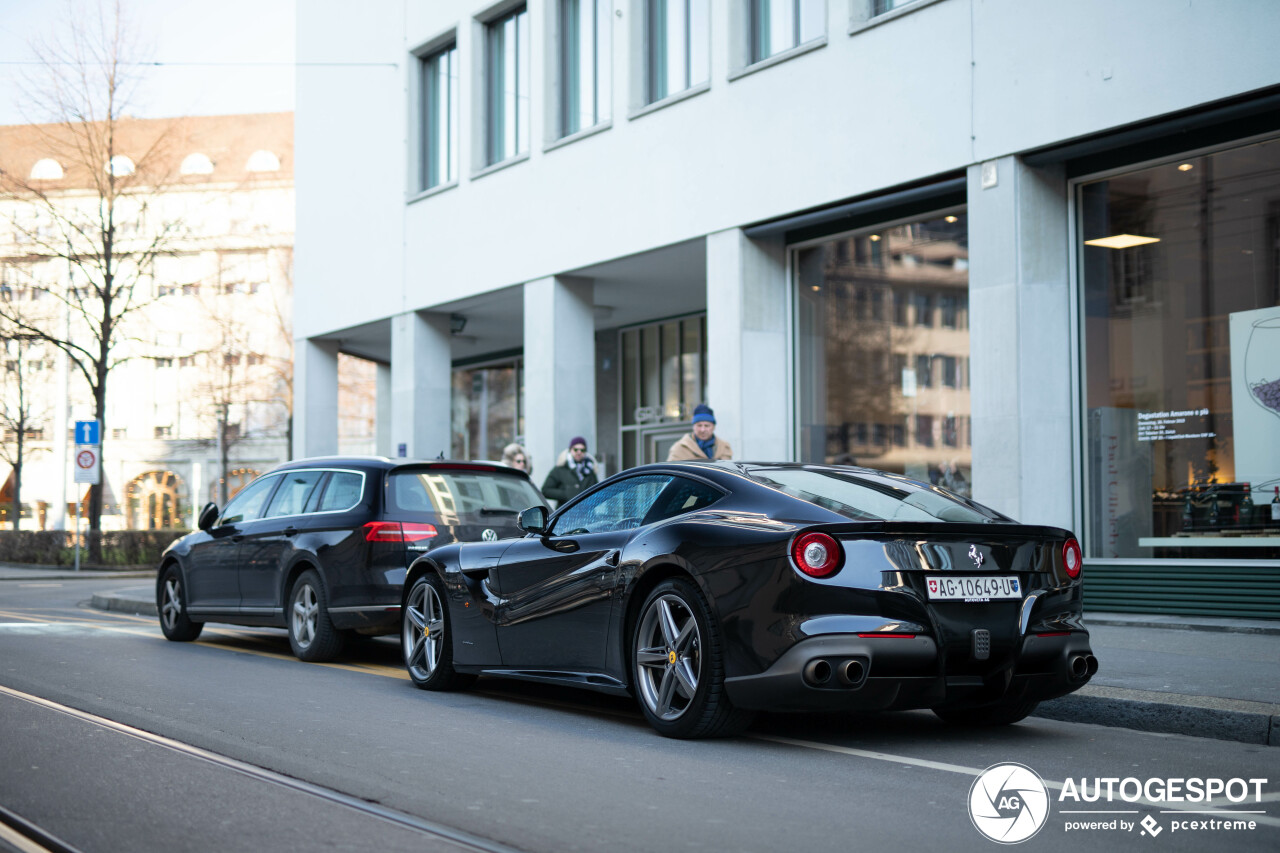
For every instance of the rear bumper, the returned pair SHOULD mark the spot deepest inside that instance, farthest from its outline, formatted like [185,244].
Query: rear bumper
[845,672]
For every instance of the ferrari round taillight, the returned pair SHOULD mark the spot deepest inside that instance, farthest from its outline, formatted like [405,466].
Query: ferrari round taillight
[817,554]
[1072,559]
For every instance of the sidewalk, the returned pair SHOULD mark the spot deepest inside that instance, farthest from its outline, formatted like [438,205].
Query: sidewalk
[1206,677]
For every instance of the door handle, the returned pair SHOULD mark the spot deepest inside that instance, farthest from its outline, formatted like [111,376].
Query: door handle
[239,537]
[291,531]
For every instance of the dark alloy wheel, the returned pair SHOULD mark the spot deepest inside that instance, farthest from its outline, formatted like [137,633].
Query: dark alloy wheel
[311,632]
[1004,712]
[171,604]
[425,638]
[679,666]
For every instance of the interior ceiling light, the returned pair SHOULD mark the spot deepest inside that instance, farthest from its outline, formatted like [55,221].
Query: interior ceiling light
[874,237]
[1185,167]
[1121,241]
[951,218]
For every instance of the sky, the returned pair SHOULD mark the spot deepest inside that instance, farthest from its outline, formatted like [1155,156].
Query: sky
[216,57]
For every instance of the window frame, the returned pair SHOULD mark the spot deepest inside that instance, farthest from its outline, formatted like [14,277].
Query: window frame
[428,115]
[493,76]
[655,87]
[569,72]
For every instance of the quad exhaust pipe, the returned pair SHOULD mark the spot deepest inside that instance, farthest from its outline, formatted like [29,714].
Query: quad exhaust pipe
[849,673]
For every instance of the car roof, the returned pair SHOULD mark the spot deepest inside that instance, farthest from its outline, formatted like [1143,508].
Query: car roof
[383,463]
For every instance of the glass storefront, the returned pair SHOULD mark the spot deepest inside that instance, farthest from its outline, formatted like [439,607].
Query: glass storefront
[664,375]
[1180,272]
[488,409]
[882,362]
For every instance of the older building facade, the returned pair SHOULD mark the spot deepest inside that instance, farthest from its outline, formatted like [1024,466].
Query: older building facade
[1005,247]
[199,401]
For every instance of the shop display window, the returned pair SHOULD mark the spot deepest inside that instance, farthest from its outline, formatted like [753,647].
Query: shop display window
[1181,347]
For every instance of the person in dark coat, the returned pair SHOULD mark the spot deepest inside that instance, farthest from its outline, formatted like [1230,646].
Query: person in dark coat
[577,474]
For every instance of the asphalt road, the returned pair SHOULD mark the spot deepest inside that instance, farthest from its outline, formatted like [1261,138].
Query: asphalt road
[115,739]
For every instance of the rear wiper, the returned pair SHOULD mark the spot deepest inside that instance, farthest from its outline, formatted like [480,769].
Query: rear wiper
[497,510]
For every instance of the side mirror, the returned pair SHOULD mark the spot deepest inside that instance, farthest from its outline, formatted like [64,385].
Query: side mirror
[533,520]
[208,515]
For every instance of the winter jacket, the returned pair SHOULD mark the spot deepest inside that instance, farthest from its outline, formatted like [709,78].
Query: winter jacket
[563,484]
[687,450]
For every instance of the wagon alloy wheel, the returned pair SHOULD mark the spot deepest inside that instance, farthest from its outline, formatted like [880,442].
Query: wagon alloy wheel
[678,665]
[425,637]
[174,622]
[311,631]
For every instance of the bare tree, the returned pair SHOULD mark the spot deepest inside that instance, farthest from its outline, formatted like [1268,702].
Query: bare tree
[247,381]
[21,416]
[104,216]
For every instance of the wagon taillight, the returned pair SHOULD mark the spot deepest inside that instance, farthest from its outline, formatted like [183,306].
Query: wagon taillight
[395,531]
[817,554]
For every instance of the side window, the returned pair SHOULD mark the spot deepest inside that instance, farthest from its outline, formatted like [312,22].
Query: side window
[343,492]
[618,507]
[248,505]
[291,497]
[682,496]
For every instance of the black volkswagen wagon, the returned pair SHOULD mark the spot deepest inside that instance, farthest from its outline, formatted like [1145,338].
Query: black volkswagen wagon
[320,546]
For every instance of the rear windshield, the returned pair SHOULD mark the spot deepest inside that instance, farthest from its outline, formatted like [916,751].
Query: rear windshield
[460,492]
[874,497]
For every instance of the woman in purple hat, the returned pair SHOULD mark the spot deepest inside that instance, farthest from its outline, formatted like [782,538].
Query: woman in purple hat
[575,474]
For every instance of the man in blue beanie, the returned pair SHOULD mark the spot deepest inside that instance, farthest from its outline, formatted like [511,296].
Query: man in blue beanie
[701,444]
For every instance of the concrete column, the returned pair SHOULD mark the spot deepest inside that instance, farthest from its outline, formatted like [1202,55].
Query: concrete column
[315,404]
[421,386]
[382,411]
[748,380]
[1020,341]
[559,368]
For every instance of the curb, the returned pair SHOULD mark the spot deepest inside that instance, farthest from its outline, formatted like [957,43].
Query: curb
[1146,711]
[122,604]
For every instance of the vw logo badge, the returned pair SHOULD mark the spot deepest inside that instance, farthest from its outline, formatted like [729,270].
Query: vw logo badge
[976,556]
[489,535]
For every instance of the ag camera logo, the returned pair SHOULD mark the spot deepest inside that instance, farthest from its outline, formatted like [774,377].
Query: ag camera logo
[1008,803]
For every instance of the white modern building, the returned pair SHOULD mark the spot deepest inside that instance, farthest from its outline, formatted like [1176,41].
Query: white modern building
[201,394]
[1023,248]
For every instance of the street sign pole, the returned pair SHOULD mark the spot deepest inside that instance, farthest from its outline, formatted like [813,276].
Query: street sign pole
[88,465]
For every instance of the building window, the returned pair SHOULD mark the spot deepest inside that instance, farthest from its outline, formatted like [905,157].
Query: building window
[488,410]
[664,376]
[677,46]
[164,432]
[507,86]
[878,366]
[778,25]
[585,39]
[1180,311]
[439,87]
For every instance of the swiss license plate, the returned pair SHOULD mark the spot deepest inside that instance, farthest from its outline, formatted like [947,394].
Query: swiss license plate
[973,588]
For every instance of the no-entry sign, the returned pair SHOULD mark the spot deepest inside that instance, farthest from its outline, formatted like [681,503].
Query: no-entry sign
[88,464]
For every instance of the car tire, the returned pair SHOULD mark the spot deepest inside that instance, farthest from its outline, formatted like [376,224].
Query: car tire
[426,637]
[311,632]
[677,662]
[1005,712]
[171,605]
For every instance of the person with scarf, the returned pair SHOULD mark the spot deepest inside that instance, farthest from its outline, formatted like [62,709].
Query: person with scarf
[576,474]
[701,444]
